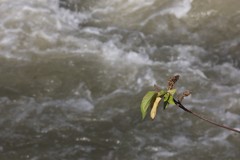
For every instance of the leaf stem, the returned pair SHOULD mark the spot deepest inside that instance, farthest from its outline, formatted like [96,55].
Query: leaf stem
[179,104]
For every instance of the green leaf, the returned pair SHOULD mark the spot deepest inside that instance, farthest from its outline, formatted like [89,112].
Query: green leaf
[170,100]
[172,91]
[166,98]
[161,93]
[165,105]
[147,101]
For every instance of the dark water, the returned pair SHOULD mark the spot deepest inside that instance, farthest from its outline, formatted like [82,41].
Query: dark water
[72,75]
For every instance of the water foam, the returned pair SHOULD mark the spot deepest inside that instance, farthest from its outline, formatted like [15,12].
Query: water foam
[179,9]
[35,28]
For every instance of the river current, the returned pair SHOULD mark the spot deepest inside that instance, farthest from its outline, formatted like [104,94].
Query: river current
[73,74]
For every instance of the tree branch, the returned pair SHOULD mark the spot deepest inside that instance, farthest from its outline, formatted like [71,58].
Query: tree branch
[179,104]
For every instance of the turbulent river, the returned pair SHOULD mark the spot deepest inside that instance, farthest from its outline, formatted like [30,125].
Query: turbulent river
[73,73]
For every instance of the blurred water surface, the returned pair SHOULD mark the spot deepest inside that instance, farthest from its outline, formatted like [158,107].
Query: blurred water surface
[73,73]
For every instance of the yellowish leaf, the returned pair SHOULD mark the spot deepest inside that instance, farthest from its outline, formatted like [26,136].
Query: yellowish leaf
[154,108]
[172,91]
[147,101]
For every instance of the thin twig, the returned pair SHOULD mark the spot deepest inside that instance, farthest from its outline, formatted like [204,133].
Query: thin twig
[179,104]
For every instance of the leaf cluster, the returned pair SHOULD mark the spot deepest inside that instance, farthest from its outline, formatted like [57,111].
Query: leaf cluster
[152,100]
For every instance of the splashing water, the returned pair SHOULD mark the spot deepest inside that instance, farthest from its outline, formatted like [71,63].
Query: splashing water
[73,74]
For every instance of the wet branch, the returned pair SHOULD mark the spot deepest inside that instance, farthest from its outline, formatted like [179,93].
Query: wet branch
[179,104]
